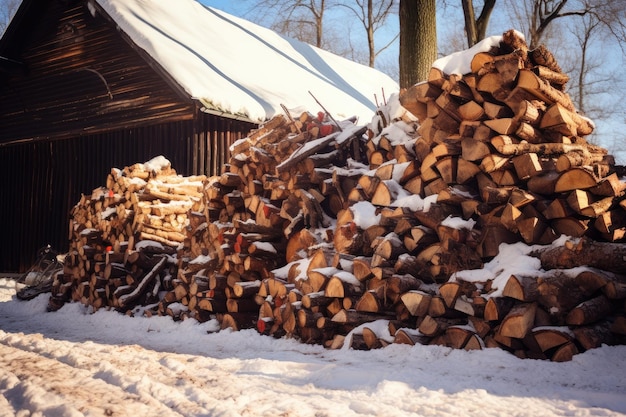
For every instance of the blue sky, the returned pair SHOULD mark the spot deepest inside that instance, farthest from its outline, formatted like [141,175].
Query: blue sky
[233,7]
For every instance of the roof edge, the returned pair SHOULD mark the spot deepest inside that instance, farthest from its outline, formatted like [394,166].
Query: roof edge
[95,8]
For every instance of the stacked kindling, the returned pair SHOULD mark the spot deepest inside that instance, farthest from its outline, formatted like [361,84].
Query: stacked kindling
[320,229]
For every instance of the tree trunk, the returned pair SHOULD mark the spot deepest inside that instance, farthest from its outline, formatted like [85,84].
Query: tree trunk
[418,40]
[475,29]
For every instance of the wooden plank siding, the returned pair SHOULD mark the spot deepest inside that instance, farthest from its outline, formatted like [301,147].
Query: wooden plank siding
[86,100]
[43,180]
[81,77]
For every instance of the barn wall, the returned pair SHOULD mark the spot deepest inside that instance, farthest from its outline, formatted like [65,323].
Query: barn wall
[42,180]
[80,76]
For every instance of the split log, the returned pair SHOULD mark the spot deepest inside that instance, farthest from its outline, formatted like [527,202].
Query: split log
[548,338]
[372,301]
[417,302]
[542,90]
[410,337]
[589,311]
[565,121]
[497,308]
[560,293]
[126,300]
[355,318]
[521,287]
[458,337]
[372,341]
[434,326]
[565,353]
[315,299]
[519,321]
[595,335]
[575,179]
[343,284]
[593,279]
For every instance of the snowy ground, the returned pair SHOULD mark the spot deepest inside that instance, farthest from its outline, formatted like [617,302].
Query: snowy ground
[72,363]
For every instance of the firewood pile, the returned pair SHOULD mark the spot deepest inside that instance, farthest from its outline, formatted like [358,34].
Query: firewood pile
[123,237]
[321,230]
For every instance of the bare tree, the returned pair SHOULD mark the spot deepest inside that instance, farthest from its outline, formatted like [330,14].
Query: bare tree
[476,28]
[299,19]
[418,40]
[537,17]
[372,15]
[311,21]
[7,10]
[591,25]
[593,81]
[583,34]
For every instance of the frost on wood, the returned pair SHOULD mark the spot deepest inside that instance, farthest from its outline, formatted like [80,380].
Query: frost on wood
[322,230]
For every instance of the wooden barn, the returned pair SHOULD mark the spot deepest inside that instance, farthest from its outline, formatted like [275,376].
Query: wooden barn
[88,85]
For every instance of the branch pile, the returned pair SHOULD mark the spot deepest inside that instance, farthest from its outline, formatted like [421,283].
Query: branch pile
[321,230]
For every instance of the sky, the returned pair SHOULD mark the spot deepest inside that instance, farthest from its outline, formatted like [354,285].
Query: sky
[229,6]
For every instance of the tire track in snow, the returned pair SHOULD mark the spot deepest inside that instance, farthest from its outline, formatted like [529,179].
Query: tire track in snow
[31,381]
[42,374]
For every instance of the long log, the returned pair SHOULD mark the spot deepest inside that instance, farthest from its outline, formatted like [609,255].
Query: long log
[607,256]
[547,149]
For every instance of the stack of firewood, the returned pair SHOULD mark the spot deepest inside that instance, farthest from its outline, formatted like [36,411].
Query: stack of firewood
[509,132]
[123,236]
[316,229]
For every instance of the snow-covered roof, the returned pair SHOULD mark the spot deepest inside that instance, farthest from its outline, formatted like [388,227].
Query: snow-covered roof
[239,68]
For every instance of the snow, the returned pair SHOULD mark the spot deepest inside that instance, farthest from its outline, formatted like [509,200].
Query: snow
[76,363]
[157,164]
[513,259]
[108,212]
[379,327]
[240,69]
[265,246]
[148,243]
[365,214]
[201,260]
[458,223]
[399,133]
[413,202]
[460,62]
[347,277]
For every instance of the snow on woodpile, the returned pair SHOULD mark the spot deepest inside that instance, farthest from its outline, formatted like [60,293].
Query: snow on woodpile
[394,232]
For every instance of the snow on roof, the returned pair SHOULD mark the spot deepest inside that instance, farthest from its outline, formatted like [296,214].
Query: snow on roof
[242,69]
